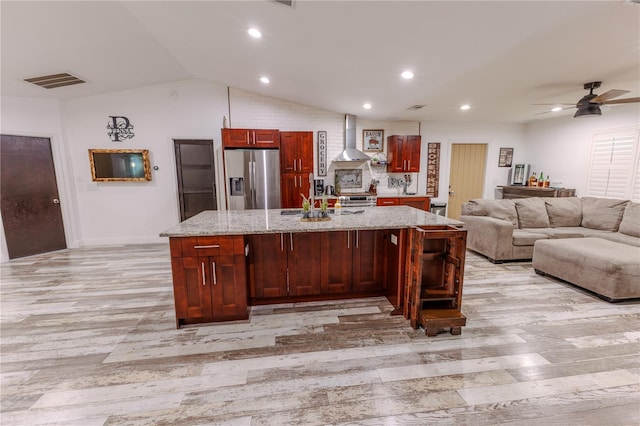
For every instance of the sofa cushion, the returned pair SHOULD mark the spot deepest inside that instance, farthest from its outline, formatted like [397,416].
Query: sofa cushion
[630,224]
[564,211]
[523,238]
[531,213]
[497,209]
[602,213]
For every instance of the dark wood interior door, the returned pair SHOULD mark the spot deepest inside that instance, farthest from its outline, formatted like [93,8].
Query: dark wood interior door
[30,205]
[196,176]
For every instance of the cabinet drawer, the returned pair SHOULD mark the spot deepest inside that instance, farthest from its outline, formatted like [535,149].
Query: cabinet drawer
[212,246]
[387,201]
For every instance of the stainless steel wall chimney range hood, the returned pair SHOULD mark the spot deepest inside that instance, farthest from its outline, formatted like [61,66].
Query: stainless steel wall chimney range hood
[350,153]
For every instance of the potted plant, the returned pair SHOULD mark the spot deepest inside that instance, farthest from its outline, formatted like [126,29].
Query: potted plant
[306,207]
[323,207]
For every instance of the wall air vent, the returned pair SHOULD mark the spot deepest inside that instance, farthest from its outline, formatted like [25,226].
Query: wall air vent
[285,2]
[55,80]
[415,107]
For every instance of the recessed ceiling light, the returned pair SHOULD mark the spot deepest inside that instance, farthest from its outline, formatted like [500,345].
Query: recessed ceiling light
[407,75]
[556,109]
[366,106]
[465,107]
[265,80]
[254,32]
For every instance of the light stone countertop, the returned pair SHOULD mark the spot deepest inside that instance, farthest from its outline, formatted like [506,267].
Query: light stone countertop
[246,222]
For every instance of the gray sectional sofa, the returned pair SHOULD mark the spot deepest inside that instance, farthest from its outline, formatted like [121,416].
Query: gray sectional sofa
[591,242]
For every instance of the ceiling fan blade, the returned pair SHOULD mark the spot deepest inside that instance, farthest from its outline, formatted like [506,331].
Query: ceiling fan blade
[621,101]
[559,103]
[549,111]
[614,93]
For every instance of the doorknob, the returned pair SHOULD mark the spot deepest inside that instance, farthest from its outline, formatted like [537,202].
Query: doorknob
[451,193]
[56,201]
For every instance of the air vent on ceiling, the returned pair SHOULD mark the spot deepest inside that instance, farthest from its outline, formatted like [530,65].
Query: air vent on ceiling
[54,80]
[285,2]
[415,107]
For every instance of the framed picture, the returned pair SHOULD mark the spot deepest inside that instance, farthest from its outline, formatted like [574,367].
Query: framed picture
[506,157]
[372,140]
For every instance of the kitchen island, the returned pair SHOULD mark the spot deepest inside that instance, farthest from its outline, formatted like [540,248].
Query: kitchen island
[225,261]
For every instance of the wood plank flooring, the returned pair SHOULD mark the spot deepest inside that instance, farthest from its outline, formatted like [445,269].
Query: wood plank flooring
[88,338]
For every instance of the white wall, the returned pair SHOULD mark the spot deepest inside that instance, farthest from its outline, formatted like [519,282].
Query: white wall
[561,147]
[495,135]
[136,212]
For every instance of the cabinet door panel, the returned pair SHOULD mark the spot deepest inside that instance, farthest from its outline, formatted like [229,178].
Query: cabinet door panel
[336,261]
[239,138]
[266,138]
[269,257]
[395,154]
[191,290]
[303,263]
[421,203]
[288,152]
[290,191]
[305,152]
[368,261]
[228,286]
[412,153]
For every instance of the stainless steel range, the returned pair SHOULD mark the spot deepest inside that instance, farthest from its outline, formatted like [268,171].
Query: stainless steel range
[365,199]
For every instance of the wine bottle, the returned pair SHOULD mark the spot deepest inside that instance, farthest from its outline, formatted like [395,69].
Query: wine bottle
[541,180]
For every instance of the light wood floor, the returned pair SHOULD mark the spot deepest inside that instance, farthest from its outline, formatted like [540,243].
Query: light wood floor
[89,338]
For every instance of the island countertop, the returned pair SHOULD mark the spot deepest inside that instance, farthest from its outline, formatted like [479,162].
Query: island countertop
[247,222]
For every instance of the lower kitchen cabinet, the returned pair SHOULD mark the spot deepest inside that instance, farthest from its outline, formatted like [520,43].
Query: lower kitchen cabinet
[284,265]
[317,263]
[422,203]
[368,261]
[209,279]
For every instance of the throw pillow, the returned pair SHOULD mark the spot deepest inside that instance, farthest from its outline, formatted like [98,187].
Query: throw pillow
[497,209]
[630,224]
[564,211]
[531,213]
[602,213]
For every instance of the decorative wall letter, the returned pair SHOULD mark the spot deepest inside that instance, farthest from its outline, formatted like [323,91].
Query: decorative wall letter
[119,128]
[433,168]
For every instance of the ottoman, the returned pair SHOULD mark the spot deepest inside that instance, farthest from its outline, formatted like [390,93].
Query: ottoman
[607,268]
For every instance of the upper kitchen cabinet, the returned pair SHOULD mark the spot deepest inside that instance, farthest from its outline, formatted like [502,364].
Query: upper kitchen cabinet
[250,138]
[403,153]
[296,152]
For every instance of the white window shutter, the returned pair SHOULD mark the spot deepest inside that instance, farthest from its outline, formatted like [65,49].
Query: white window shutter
[614,165]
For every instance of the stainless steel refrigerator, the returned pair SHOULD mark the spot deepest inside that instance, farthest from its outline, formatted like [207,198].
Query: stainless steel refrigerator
[252,178]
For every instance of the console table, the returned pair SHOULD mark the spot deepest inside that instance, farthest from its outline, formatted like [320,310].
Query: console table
[517,191]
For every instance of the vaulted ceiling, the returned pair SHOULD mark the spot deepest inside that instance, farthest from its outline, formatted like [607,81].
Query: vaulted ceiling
[500,57]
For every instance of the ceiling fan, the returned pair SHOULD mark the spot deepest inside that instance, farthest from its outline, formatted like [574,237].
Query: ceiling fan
[590,104]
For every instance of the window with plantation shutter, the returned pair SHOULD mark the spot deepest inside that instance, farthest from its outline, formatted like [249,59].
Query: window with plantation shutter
[614,171]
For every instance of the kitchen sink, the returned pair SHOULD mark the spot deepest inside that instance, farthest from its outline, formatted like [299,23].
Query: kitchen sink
[331,211]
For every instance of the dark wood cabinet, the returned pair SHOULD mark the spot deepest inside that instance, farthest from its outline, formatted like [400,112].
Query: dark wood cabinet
[303,267]
[434,278]
[368,261]
[291,186]
[250,138]
[285,265]
[403,153]
[268,266]
[209,279]
[422,203]
[337,263]
[296,152]
[296,162]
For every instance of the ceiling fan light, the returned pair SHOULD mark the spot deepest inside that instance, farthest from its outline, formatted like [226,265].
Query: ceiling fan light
[587,110]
